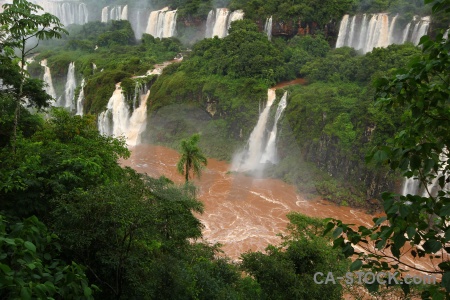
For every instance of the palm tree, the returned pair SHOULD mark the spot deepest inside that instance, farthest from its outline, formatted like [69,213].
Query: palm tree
[192,158]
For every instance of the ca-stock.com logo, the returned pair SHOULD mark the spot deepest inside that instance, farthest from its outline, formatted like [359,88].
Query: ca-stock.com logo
[383,278]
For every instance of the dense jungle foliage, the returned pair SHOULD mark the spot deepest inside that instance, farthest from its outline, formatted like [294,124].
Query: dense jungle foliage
[221,84]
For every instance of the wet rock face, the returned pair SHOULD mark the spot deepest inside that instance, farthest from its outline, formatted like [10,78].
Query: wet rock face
[328,157]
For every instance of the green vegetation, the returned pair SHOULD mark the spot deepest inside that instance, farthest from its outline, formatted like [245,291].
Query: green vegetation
[413,225]
[192,158]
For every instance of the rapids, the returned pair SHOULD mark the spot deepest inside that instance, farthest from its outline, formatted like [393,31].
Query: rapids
[241,212]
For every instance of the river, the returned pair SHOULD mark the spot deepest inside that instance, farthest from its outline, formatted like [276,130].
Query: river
[241,212]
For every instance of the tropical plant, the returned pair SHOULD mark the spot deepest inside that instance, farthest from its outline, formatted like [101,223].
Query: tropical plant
[192,158]
[24,23]
[413,225]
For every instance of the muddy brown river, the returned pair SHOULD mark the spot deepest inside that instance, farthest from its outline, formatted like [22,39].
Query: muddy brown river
[241,212]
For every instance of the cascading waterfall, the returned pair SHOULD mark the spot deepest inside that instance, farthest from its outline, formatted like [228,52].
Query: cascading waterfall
[124,14]
[365,32]
[71,84]
[117,121]
[105,14]
[270,153]
[80,99]
[138,120]
[268,28]
[116,12]
[219,21]
[162,23]
[249,159]
[48,80]
[234,16]
[68,12]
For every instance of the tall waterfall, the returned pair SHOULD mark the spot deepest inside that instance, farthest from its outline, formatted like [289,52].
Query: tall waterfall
[117,120]
[138,120]
[268,28]
[80,99]
[48,80]
[115,12]
[71,84]
[219,21]
[250,158]
[365,32]
[68,12]
[162,23]
[270,153]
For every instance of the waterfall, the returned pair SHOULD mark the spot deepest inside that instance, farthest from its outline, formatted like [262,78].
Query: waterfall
[162,23]
[342,32]
[410,186]
[138,120]
[249,159]
[116,120]
[234,16]
[414,187]
[270,154]
[378,30]
[80,99]
[210,21]
[115,12]
[219,21]
[105,14]
[48,80]
[406,33]
[420,30]
[268,28]
[71,84]
[220,25]
[69,12]
[124,14]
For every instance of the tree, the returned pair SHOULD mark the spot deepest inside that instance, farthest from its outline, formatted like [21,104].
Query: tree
[288,271]
[30,266]
[192,158]
[414,225]
[22,21]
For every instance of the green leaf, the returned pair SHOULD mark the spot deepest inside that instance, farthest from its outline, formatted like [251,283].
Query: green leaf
[432,246]
[445,211]
[410,231]
[87,291]
[337,232]
[446,281]
[30,246]
[356,265]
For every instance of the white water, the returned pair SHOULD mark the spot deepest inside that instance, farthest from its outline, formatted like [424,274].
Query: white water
[117,120]
[116,12]
[48,80]
[270,153]
[414,187]
[67,12]
[162,23]
[138,121]
[365,32]
[268,28]
[235,16]
[71,84]
[105,14]
[219,21]
[80,99]
[124,14]
[249,159]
